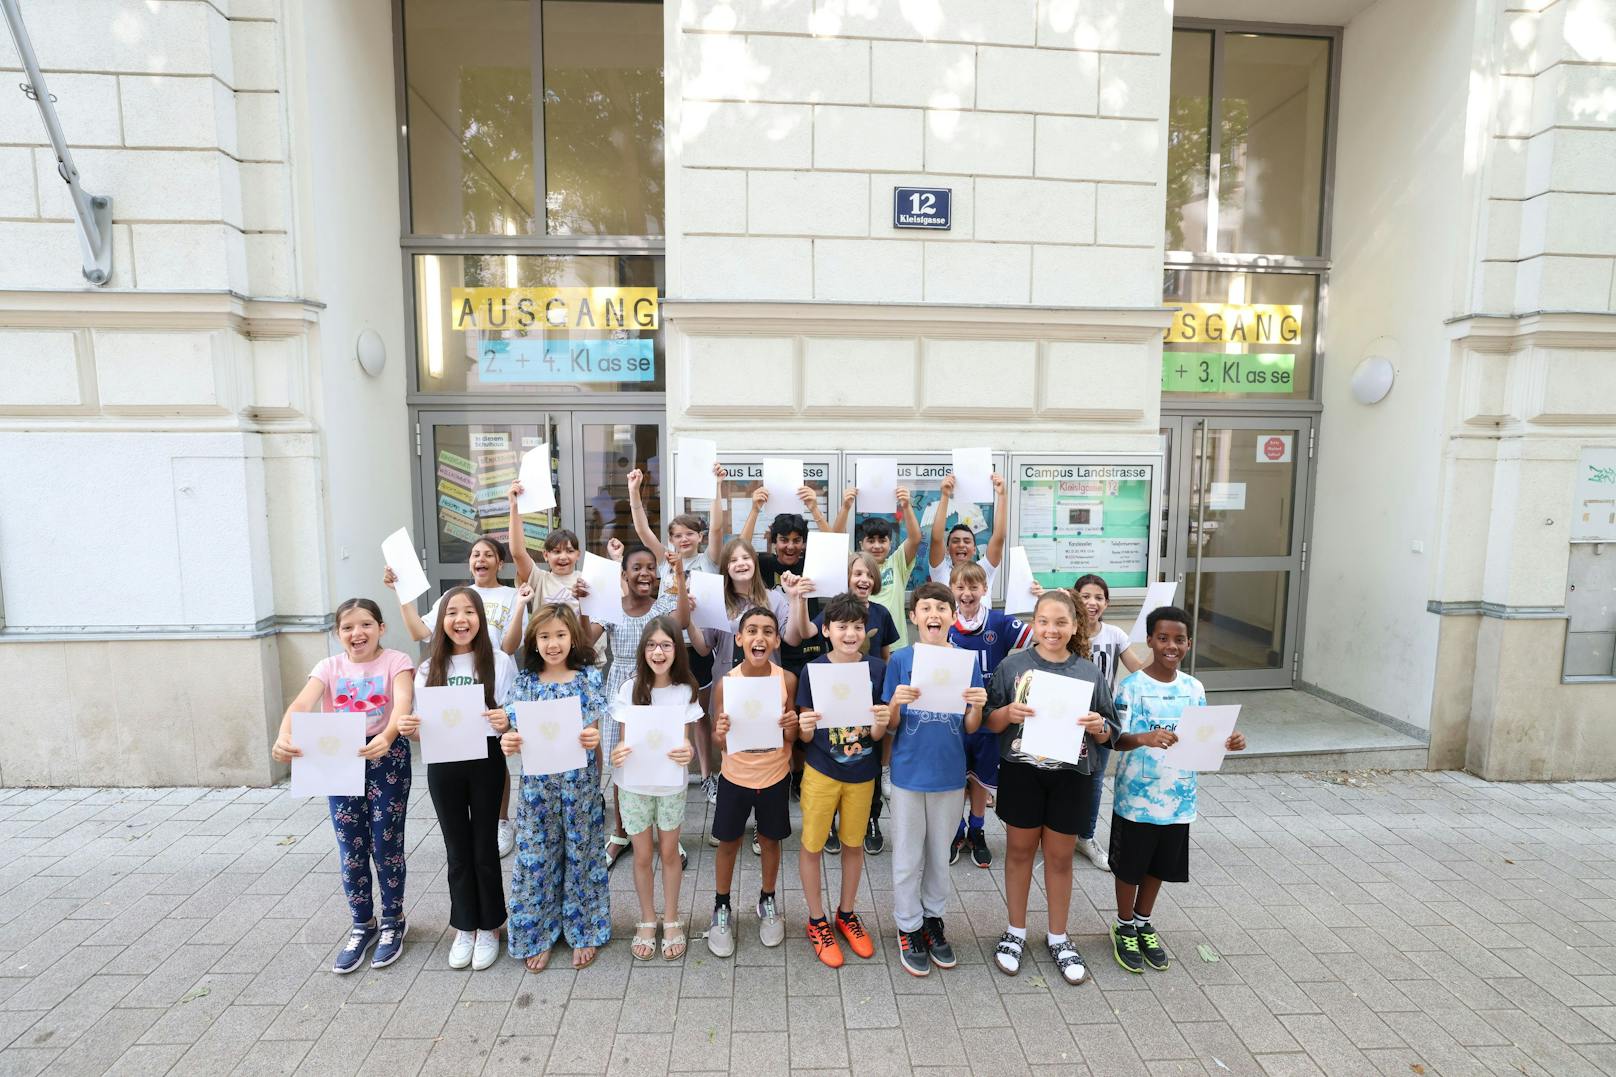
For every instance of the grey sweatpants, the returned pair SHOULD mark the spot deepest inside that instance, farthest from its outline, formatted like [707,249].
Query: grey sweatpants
[922,827]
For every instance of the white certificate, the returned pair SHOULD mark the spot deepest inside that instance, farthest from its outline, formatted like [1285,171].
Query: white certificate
[693,472]
[973,475]
[707,592]
[330,765]
[550,729]
[783,478]
[753,706]
[876,479]
[941,675]
[825,562]
[1156,596]
[1058,702]
[1202,733]
[842,693]
[604,602]
[398,554]
[651,733]
[452,723]
[538,493]
[1018,596]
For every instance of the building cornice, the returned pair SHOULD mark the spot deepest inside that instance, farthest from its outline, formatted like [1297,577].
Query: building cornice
[254,317]
[722,317]
[1546,328]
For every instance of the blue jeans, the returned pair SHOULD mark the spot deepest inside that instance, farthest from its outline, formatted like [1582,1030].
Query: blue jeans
[1091,810]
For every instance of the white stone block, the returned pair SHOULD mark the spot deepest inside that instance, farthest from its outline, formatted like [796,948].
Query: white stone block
[1096,277]
[17,190]
[156,370]
[266,258]
[851,377]
[927,75]
[1512,108]
[1104,380]
[872,139]
[762,68]
[1107,25]
[963,198]
[743,135]
[983,143]
[87,105]
[38,370]
[739,375]
[1578,385]
[1589,29]
[1578,223]
[260,126]
[1511,168]
[952,380]
[867,271]
[115,36]
[715,267]
[266,200]
[1493,287]
[145,185]
[1134,86]
[1503,239]
[1034,211]
[978,273]
[172,112]
[1037,80]
[1077,147]
[1570,159]
[741,16]
[1129,215]
[255,56]
[46,255]
[1003,22]
[175,256]
[711,200]
[1555,282]
[807,203]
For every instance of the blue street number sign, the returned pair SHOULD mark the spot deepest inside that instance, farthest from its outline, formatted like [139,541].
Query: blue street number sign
[922,207]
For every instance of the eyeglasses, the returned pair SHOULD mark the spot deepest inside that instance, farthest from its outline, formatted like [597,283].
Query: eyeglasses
[666,645]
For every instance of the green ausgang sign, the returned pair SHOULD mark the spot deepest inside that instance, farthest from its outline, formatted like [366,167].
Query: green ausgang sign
[1209,372]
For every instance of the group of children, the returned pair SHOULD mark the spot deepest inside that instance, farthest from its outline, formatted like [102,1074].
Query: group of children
[934,761]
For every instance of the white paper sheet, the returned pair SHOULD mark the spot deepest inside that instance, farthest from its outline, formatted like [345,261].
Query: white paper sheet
[694,476]
[1018,596]
[941,675]
[330,765]
[973,476]
[1202,733]
[876,478]
[841,693]
[452,723]
[652,732]
[753,706]
[783,478]
[825,562]
[1058,702]
[538,492]
[398,554]
[1156,596]
[604,602]
[707,592]
[550,729]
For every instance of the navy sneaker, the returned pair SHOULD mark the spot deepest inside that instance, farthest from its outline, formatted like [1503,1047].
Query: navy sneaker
[390,947]
[361,937]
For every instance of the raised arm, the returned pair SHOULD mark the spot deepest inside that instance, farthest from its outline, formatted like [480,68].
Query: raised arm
[516,539]
[636,508]
[716,513]
[811,501]
[911,523]
[759,497]
[848,496]
[1001,521]
[418,629]
[799,626]
[937,551]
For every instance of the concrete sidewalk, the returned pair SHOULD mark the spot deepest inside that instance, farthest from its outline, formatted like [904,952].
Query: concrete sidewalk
[1396,923]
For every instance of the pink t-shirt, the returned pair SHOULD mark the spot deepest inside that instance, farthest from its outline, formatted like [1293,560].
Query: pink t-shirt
[362,687]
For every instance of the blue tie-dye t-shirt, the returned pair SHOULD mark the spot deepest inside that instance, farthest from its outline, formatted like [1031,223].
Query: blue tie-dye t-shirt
[1145,790]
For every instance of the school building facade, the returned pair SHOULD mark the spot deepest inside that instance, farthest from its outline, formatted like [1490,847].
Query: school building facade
[1307,305]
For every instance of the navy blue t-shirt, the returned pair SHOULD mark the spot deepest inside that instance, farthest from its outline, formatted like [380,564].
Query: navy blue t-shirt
[879,630]
[843,754]
[999,636]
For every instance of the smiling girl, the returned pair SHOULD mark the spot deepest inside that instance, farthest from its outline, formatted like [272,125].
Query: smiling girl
[499,600]
[743,591]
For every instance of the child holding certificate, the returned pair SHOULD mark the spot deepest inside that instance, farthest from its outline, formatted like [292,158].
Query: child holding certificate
[558,881]
[1041,796]
[662,678]
[1152,804]
[370,682]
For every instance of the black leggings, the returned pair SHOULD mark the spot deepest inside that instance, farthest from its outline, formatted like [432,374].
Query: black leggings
[466,796]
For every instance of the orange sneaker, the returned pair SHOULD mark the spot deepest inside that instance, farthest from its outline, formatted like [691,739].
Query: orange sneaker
[852,929]
[824,940]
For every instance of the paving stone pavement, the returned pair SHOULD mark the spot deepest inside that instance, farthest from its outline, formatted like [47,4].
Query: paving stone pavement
[1389,923]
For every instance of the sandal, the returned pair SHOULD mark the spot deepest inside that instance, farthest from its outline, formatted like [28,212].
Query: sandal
[1069,961]
[615,844]
[579,966]
[1009,947]
[537,962]
[642,947]
[672,948]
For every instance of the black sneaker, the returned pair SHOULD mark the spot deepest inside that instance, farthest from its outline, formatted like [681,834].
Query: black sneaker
[833,844]
[942,954]
[913,952]
[1150,947]
[979,848]
[1125,947]
[955,847]
[873,841]
[361,937]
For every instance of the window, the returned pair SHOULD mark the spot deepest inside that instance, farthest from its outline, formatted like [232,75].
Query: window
[1189,140]
[1240,335]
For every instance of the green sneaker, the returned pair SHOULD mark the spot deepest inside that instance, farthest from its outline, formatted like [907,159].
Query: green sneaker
[1150,947]
[1125,945]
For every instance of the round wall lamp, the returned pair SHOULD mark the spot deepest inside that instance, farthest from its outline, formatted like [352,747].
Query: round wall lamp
[371,351]
[1373,379]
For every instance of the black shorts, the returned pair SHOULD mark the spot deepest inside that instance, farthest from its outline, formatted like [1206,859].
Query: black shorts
[736,803]
[701,666]
[1160,850]
[1031,797]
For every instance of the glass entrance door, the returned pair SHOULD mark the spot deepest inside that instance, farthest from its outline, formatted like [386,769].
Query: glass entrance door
[1236,541]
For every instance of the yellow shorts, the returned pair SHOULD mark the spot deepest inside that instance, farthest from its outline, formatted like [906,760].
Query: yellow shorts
[822,798]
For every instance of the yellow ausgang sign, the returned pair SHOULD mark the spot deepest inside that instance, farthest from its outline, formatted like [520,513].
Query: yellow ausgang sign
[558,309]
[1235,323]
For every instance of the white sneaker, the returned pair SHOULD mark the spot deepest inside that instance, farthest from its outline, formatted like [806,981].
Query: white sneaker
[460,951]
[771,929]
[721,934]
[886,782]
[506,838]
[485,951]
[757,850]
[1093,853]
